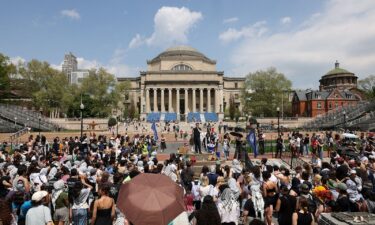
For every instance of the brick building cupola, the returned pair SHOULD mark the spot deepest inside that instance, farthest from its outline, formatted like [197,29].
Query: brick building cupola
[338,78]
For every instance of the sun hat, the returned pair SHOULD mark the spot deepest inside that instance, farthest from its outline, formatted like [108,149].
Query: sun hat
[39,195]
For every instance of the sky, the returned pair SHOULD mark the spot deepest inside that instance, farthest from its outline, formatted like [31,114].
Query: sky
[300,38]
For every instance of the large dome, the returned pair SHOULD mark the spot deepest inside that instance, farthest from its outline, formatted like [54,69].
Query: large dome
[181,53]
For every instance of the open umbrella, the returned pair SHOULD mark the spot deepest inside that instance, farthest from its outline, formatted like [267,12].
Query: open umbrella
[151,199]
[236,134]
[349,135]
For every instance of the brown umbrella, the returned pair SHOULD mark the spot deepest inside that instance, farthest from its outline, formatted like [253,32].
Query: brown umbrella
[151,199]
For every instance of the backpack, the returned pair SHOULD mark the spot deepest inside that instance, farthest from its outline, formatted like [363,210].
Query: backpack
[311,204]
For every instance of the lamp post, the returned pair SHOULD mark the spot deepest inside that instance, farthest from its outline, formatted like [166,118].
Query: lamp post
[278,121]
[82,107]
[334,121]
[39,118]
[117,125]
[344,120]
[15,122]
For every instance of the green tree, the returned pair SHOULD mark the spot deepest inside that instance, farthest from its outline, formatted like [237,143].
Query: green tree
[367,85]
[6,70]
[130,110]
[100,86]
[48,88]
[112,122]
[232,107]
[264,91]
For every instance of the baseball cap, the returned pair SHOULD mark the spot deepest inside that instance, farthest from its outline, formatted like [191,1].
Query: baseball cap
[39,195]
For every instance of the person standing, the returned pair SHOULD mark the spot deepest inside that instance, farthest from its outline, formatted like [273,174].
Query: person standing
[163,145]
[104,208]
[39,214]
[197,139]
[303,216]
[279,146]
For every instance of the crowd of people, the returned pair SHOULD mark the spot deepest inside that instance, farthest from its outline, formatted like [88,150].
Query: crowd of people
[76,180]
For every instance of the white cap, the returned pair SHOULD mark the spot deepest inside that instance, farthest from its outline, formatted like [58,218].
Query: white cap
[353,172]
[39,195]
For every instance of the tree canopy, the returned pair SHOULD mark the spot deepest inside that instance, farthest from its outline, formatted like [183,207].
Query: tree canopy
[368,86]
[50,89]
[264,91]
[6,70]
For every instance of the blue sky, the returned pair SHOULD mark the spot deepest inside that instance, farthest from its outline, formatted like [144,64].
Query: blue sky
[301,38]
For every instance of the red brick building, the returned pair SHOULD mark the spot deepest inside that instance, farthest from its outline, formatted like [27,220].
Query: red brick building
[337,88]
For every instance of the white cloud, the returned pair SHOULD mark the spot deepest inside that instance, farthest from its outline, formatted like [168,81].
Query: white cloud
[115,65]
[230,20]
[254,30]
[310,50]
[70,13]
[136,41]
[286,20]
[171,26]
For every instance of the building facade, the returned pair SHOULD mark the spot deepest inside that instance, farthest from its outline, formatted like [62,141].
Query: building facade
[70,68]
[183,84]
[338,88]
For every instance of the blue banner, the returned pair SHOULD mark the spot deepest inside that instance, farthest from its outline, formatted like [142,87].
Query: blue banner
[252,140]
[153,128]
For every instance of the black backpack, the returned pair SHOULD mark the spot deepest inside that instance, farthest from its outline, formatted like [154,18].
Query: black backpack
[312,204]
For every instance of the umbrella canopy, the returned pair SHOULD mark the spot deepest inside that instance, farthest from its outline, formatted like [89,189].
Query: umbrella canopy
[236,134]
[349,135]
[151,199]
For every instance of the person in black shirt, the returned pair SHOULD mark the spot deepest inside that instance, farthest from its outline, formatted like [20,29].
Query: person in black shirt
[279,146]
[285,206]
[197,139]
[342,202]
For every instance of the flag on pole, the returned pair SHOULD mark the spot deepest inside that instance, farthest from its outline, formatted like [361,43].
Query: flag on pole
[252,140]
[153,128]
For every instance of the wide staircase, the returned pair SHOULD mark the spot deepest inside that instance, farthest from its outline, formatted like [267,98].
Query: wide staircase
[9,127]
[153,117]
[16,117]
[346,116]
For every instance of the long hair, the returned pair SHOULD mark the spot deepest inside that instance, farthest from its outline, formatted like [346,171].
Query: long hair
[303,204]
[5,212]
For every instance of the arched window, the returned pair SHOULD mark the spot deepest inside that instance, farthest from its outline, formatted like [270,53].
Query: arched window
[182,67]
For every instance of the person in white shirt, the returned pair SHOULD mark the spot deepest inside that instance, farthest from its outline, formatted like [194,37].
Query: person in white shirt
[39,214]
[228,207]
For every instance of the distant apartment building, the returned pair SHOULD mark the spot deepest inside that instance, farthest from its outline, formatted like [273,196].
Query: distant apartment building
[70,68]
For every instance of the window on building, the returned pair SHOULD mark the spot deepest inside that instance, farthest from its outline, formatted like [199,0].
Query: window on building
[236,85]
[330,105]
[182,67]
[319,105]
[336,105]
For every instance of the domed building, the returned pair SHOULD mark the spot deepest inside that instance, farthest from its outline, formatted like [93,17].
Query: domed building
[338,78]
[182,83]
[338,88]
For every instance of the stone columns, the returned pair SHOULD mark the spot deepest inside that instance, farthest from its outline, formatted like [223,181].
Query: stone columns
[194,99]
[220,99]
[162,100]
[155,100]
[208,100]
[201,100]
[147,100]
[186,101]
[178,101]
[169,100]
[216,100]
